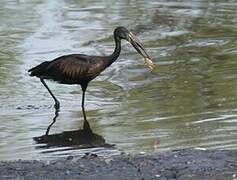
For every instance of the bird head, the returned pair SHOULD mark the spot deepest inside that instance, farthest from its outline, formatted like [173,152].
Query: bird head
[123,33]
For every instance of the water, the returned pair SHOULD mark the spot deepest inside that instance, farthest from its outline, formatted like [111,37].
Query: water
[190,100]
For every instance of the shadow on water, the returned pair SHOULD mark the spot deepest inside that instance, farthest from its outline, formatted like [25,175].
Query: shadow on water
[77,139]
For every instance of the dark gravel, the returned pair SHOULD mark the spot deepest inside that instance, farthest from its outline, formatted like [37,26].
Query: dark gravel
[183,165]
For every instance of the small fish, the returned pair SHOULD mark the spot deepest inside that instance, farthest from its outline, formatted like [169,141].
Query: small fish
[149,63]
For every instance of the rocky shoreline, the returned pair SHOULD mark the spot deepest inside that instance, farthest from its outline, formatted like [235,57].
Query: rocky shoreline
[181,164]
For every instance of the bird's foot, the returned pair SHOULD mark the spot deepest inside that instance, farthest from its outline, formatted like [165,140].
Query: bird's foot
[57,105]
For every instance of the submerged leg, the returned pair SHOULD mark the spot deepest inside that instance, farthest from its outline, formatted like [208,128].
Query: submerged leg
[86,125]
[54,120]
[57,104]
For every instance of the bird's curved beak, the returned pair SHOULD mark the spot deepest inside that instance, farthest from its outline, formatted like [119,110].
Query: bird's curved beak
[141,50]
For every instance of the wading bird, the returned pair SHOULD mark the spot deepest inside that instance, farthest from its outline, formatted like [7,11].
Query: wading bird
[81,69]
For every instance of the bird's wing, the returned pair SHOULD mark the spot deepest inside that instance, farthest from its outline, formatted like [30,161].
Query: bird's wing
[69,67]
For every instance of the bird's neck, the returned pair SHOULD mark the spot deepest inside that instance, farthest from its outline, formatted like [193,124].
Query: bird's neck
[114,56]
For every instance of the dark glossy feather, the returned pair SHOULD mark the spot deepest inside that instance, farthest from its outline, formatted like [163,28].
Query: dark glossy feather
[71,69]
[39,69]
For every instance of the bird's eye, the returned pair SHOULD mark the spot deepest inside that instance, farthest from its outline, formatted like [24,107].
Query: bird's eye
[123,36]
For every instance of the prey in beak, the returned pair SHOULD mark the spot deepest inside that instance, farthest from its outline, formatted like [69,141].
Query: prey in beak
[141,50]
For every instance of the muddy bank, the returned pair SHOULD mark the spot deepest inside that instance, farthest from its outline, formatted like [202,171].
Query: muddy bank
[183,164]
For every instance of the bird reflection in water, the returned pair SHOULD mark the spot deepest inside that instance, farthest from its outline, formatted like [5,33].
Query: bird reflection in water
[78,139]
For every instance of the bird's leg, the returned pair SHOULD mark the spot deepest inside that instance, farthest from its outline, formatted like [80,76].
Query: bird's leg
[54,120]
[86,125]
[57,104]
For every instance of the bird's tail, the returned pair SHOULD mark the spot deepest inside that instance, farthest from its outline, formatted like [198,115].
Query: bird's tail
[38,70]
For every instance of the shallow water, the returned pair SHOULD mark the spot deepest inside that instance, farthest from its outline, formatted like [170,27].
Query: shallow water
[189,101]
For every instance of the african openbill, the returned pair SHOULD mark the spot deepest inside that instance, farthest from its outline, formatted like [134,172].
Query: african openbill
[81,69]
